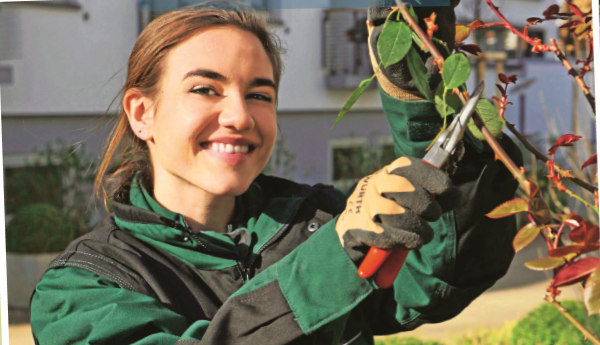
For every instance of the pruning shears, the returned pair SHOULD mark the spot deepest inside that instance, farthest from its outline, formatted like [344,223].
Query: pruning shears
[447,150]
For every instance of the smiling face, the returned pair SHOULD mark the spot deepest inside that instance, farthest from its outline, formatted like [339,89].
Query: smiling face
[214,124]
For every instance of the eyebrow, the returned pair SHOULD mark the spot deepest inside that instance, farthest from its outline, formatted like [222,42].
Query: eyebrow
[206,74]
[256,82]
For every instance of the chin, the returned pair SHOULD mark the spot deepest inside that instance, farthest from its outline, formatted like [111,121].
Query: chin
[226,185]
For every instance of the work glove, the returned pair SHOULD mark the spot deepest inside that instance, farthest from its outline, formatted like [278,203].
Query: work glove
[395,80]
[390,209]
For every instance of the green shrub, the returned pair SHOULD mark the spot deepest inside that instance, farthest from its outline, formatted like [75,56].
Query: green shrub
[39,228]
[487,336]
[405,341]
[546,326]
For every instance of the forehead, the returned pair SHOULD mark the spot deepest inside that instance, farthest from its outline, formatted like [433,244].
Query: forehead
[228,50]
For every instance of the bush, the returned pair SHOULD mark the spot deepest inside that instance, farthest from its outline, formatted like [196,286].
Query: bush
[546,326]
[39,228]
[406,341]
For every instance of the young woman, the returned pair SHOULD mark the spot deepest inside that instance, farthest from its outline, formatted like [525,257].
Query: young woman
[203,249]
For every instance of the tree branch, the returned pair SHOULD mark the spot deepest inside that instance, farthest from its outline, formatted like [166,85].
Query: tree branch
[573,73]
[544,159]
[586,333]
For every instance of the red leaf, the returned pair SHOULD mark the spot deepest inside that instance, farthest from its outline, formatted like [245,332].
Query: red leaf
[550,11]
[509,208]
[575,272]
[534,20]
[592,160]
[586,232]
[570,24]
[476,24]
[563,251]
[501,88]
[565,140]
[575,10]
[471,48]
[512,78]
[503,78]
[566,14]
[431,27]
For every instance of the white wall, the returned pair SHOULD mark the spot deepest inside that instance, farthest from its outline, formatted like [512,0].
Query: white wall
[67,62]
[303,84]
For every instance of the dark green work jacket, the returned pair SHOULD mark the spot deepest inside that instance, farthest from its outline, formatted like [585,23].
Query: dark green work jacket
[280,274]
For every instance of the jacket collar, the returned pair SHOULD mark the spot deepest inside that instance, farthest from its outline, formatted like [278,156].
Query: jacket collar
[264,209]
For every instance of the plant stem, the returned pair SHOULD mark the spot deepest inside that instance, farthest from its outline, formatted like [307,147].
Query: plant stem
[573,73]
[500,153]
[586,333]
[586,203]
[510,27]
[553,47]
[544,159]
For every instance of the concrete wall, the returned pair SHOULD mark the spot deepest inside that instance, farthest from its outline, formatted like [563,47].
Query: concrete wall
[67,63]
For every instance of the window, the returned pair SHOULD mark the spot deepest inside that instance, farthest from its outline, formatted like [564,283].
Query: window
[345,47]
[354,158]
[502,40]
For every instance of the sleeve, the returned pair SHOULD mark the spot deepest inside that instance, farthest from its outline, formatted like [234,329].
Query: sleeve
[310,291]
[469,252]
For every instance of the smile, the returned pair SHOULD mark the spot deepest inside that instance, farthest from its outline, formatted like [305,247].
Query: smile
[228,148]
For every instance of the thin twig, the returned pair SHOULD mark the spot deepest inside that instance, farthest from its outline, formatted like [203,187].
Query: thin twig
[573,73]
[586,333]
[544,159]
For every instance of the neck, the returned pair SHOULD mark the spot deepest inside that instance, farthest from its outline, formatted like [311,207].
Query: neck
[206,212]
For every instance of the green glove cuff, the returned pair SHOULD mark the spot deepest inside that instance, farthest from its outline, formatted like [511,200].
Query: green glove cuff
[414,124]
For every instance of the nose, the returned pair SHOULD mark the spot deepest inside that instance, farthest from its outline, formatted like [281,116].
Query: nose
[236,114]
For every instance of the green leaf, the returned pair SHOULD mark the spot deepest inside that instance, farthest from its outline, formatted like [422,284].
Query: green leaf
[490,117]
[456,71]
[419,43]
[453,103]
[394,42]
[418,71]
[352,99]
[591,293]
[509,208]
[411,10]
[525,236]
[544,264]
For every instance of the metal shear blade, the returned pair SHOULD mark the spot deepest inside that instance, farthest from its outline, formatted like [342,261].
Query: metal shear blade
[447,142]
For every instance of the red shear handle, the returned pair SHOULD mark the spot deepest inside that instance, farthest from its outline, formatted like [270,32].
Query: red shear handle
[371,263]
[389,270]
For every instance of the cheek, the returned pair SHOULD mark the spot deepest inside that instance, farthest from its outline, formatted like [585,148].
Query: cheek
[268,129]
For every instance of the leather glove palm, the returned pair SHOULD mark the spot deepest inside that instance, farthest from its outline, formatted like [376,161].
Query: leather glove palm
[390,209]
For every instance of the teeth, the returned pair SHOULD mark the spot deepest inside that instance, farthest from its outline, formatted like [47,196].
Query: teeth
[220,147]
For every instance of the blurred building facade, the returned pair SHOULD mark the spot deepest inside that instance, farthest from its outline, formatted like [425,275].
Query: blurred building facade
[63,62]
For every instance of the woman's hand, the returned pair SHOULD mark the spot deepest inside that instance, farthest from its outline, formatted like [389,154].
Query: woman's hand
[390,209]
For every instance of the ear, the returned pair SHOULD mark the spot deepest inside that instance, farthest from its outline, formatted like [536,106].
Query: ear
[140,113]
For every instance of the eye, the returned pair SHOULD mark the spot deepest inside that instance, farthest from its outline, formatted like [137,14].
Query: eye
[260,97]
[205,90]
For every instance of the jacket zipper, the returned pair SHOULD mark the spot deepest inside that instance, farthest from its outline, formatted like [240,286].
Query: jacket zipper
[273,239]
[176,224]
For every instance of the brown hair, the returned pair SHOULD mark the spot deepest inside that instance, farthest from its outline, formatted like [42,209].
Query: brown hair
[144,71]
